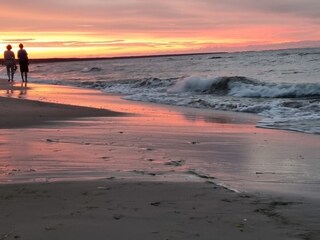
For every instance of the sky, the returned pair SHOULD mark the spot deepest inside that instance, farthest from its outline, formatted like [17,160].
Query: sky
[112,28]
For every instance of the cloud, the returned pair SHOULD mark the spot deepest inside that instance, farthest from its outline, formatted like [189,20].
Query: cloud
[307,8]
[155,24]
[8,40]
[68,44]
[154,15]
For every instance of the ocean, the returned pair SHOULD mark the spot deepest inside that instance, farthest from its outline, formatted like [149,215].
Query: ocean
[281,86]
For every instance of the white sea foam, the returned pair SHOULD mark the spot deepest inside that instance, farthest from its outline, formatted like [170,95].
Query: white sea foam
[275,90]
[193,84]
[245,87]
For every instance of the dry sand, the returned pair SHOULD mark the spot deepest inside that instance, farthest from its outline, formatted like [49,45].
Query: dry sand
[117,207]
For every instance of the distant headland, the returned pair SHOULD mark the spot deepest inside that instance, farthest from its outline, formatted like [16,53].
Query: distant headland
[49,60]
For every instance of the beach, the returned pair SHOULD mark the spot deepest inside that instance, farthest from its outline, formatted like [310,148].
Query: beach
[77,165]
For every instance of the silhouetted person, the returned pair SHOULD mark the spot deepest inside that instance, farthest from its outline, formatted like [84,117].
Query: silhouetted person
[23,63]
[9,61]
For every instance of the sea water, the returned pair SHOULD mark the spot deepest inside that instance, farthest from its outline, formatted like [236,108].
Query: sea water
[282,86]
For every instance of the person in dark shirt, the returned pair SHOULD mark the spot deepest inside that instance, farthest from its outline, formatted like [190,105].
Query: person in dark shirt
[23,63]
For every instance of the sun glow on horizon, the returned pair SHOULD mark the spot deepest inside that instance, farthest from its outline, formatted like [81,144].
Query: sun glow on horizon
[89,44]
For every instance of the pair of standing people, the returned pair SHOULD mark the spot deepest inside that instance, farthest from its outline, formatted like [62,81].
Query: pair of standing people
[9,61]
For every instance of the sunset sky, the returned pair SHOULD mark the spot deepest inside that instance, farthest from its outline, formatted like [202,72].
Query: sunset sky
[108,28]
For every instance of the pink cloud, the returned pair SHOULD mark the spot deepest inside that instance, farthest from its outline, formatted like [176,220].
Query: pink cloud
[160,23]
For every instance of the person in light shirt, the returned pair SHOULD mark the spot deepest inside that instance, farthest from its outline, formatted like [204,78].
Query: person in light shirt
[9,62]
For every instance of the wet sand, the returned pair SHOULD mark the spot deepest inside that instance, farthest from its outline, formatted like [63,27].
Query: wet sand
[16,113]
[101,174]
[112,209]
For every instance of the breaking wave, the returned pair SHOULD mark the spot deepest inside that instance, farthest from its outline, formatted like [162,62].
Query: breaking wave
[239,86]
[281,105]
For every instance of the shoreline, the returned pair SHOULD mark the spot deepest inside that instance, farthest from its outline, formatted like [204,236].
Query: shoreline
[59,107]
[29,113]
[146,164]
[20,112]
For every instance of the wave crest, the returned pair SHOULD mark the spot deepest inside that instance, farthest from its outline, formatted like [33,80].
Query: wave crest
[264,90]
[239,86]
[91,69]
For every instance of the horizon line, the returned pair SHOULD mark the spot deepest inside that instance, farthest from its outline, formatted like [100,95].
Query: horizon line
[70,59]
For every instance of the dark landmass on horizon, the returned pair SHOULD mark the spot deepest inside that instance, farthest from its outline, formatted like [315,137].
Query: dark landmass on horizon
[48,60]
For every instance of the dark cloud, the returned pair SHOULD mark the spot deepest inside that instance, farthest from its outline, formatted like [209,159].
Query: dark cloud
[305,8]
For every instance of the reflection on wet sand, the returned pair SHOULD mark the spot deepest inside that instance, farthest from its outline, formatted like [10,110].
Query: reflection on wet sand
[14,90]
[23,89]
[220,117]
